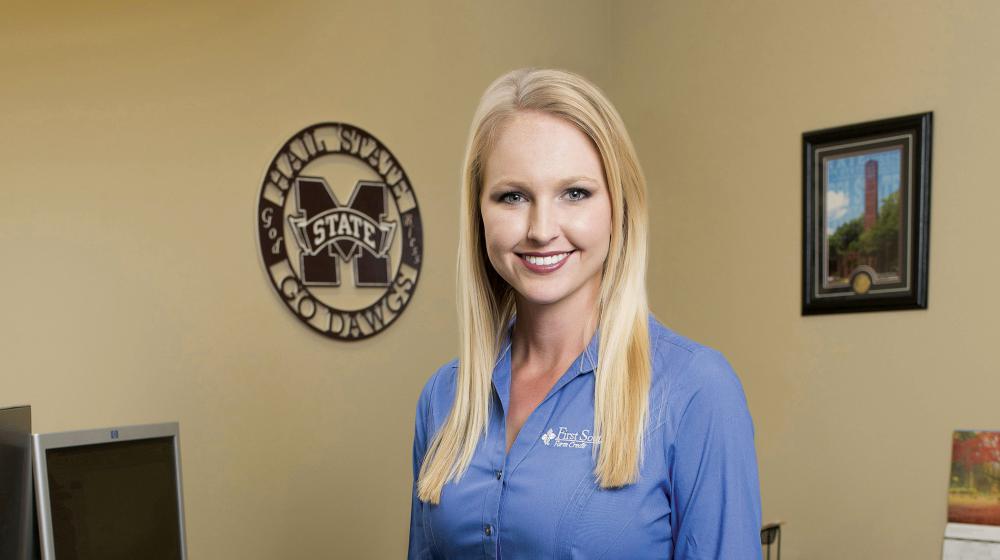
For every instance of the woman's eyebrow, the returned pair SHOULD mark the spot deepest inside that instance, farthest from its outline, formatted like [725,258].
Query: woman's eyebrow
[505,182]
[579,179]
[509,182]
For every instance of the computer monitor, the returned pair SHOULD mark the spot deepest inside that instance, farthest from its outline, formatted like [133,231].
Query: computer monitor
[110,494]
[17,537]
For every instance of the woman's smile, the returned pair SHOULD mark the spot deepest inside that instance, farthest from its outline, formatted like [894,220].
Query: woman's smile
[544,263]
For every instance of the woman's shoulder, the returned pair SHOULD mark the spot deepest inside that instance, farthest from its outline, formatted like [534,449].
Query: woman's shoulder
[683,369]
[673,351]
[440,386]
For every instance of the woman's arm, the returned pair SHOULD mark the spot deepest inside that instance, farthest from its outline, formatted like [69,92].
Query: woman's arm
[715,487]
[419,547]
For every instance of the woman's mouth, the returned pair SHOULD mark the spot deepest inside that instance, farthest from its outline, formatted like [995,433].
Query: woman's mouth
[544,264]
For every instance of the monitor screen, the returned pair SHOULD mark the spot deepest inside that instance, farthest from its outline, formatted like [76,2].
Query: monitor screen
[114,498]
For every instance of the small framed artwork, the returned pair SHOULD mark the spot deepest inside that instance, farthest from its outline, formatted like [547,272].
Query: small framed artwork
[866,216]
[973,529]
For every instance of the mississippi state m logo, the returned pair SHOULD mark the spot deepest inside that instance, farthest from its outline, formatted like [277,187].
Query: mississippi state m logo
[326,231]
[341,242]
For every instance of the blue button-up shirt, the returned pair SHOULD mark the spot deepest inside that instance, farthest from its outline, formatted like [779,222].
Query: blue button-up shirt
[697,496]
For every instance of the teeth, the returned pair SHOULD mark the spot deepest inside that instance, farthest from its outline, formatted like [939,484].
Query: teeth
[546,261]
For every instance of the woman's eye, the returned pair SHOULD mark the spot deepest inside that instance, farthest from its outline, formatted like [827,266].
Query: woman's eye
[577,194]
[511,197]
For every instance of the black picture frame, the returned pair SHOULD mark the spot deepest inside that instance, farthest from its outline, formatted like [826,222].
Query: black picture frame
[866,216]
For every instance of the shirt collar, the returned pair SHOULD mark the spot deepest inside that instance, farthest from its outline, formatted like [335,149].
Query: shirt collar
[587,362]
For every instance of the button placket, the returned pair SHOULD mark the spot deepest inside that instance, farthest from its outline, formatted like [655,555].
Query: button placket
[494,495]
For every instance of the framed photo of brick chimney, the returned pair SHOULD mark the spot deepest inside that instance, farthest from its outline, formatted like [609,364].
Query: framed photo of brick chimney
[866,216]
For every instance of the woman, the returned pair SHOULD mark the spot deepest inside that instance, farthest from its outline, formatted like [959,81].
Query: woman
[574,424]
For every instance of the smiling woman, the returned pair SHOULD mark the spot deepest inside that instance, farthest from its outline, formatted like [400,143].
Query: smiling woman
[573,424]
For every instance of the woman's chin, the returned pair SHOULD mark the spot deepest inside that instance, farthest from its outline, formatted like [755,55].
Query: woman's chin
[542,297]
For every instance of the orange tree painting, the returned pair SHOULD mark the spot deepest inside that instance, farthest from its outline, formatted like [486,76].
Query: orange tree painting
[974,491]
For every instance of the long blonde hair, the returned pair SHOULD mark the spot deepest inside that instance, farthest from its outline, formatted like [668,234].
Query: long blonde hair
[486,301]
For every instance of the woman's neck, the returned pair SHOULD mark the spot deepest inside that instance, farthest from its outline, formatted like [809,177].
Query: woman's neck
[548,336]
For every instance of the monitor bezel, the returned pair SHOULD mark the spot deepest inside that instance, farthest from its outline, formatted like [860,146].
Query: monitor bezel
[15,421]
[40,443]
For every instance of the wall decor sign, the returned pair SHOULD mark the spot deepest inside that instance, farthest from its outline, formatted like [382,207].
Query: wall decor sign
[866,216]
[339,231]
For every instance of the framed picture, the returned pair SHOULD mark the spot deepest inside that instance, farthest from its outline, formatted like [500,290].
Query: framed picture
[973,492]
[866,216]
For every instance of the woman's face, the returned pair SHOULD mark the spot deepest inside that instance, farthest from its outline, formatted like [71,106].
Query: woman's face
[545,208]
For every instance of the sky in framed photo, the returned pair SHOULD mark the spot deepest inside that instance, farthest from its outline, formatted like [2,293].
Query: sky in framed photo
[845,184]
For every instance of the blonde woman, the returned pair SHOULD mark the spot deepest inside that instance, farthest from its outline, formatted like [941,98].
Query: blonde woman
[573,424]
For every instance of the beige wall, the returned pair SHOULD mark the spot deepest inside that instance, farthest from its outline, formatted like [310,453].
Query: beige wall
[134,140]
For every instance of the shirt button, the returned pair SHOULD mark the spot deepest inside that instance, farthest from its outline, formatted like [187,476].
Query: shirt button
[499,475]
[489,530]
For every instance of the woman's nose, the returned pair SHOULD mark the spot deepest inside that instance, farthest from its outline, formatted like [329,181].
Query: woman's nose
[543,224]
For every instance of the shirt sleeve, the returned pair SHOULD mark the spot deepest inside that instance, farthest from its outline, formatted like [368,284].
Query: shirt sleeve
[419,548]
[715,487]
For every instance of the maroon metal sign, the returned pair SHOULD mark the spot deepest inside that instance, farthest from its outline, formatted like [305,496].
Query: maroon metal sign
[345,264]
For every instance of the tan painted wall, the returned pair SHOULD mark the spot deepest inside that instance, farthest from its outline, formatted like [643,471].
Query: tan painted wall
[133,144]
[854,413]
[134,141]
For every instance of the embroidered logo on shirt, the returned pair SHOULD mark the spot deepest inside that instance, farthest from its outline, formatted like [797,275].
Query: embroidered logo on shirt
[566,438]
[548,436]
